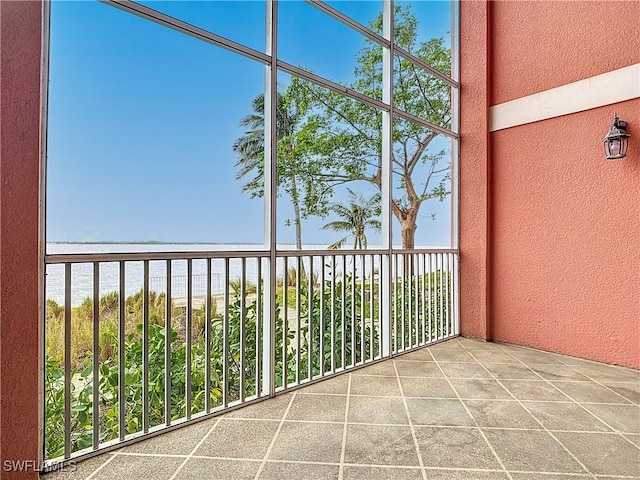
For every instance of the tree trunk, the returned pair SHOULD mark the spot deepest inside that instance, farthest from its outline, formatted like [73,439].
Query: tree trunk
[296,213]
[297,222]
[408,233]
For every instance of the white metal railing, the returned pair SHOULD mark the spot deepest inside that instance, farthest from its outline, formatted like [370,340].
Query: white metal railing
[138,355]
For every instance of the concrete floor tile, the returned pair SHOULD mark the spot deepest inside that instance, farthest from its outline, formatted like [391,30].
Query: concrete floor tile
[480,389]
[421,355]
[603,454]
[535,357]
[380,410]
[338,384]
[609,373]
[565,416]
[311,442]
[239,439]
[317,407]
[76,470]
[427,387]
[380,445]
[487,357]
[473,344]
[532,451]
[464,370]
[417,369]
[176,442]
[380,368]
[268,409]
[633,438]
[511,371]
[623,418]
[440,412]
[629,390]
[452,355]
[133,467]
[299,471]
[200,468]
[590,392]
[534,390]
[548,476]
[501,414]
[454,448]
[375,386]
[381,473]
[558,373]
[465,475]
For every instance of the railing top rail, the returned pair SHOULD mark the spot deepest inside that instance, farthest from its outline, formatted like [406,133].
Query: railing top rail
[372,251]
[203,255]
[151,256]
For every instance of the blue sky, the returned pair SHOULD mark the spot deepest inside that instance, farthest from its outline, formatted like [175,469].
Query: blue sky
[142,118]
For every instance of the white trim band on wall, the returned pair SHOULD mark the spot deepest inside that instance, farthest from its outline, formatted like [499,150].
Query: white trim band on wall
[611,87]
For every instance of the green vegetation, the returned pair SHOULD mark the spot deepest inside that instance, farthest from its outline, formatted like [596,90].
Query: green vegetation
[327,140]
[322,316]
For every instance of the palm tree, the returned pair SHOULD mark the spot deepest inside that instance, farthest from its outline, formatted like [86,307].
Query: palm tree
[250,150]
[357,219]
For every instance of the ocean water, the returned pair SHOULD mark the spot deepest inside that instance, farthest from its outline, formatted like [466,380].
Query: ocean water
[109,273]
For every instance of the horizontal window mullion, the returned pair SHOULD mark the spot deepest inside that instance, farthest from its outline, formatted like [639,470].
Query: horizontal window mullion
[188,29]
[422,64]
[422,121]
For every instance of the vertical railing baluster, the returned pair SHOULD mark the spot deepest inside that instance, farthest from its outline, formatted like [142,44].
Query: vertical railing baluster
[440,291]
[371,309]
[416,300]
[381,281]
[447,300]
[322,319]
[95,390]
[188,328]
[145,347]
[353,310]
[285,320]
[243,327]
[410,300]
[423,279]
[167,347]
[121,351]
[258,338]
[394,300]
[225,338]
[403,288]
[343,307]
[207,339]
[67,360]
[333,313]
[429,299]
[298,315]
[310,335]
[362,312]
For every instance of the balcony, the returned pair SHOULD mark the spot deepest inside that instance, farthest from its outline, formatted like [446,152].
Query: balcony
[459,409]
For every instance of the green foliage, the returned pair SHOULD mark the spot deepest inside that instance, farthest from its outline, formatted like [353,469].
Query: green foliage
[334,140]
[339,327]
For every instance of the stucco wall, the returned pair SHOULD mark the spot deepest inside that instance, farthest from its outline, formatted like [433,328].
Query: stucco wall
[563,245]
[566,238]
[20,48]
[541,45]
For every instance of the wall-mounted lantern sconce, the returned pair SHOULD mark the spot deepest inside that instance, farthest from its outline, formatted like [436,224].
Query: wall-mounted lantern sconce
[616,143]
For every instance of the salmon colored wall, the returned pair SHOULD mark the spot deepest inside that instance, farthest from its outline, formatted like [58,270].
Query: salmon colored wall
[20,44]
[474,171]
[566,238]
[563,241]
[542,45]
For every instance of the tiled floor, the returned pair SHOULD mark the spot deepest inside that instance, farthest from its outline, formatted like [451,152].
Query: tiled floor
[461,409]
